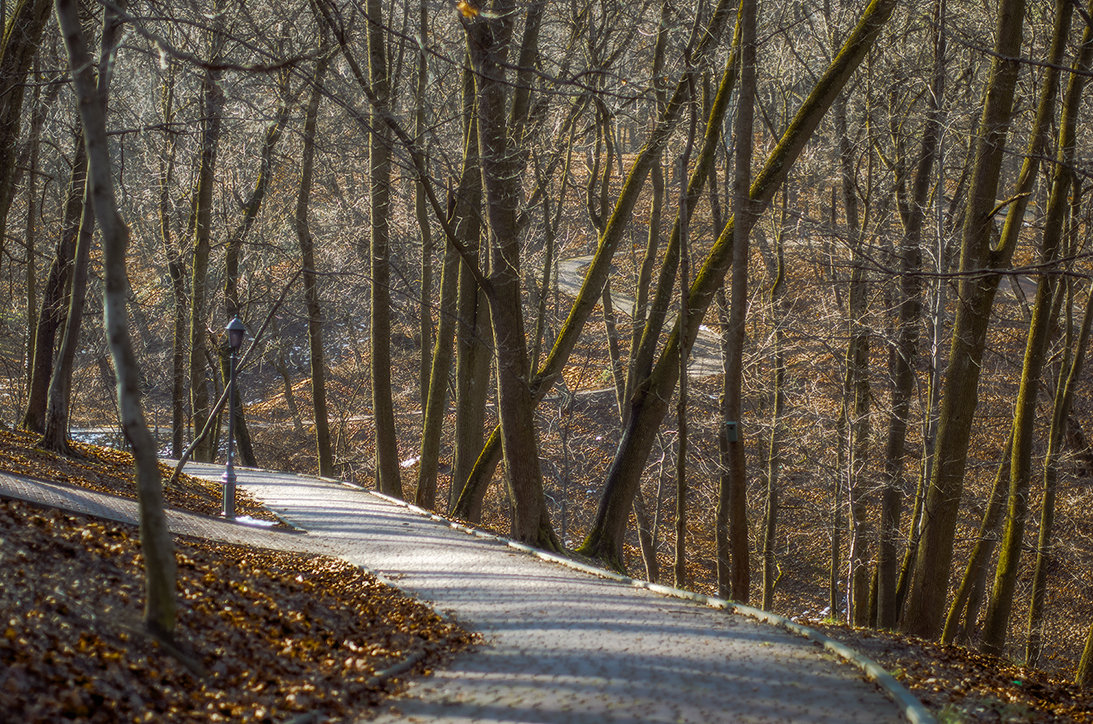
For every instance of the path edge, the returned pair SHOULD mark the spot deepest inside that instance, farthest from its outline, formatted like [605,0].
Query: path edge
[909,705]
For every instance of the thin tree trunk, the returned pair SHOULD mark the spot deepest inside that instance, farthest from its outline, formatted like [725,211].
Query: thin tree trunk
[680,567]
[311,291]
[30,238]
[212,103]
[437,399]
[156,546]
[646,539]
[388,479]
[55,295]
[1068,375]
[778,313]
[175,271]
[856,394]
[421,212]
[906,346]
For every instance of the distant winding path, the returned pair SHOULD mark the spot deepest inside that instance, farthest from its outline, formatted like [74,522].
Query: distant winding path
[705,359]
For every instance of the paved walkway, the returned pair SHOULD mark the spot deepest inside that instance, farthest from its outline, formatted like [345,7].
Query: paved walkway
[560,645]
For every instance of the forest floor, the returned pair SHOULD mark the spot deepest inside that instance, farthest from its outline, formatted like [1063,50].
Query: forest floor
[267,636]
[70,635]
[960,685]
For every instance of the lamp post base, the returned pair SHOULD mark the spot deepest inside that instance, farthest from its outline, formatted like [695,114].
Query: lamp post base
[228,480]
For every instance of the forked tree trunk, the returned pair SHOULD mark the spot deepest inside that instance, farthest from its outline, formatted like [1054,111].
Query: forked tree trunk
[489,38]
[464,206]
[55,433]
[472,365]
[55,427]
[599,270]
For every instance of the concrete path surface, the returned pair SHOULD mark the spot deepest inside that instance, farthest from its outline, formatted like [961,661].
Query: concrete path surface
[566,646]
[559,645]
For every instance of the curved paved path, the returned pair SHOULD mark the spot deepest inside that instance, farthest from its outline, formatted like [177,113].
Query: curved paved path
[560,645]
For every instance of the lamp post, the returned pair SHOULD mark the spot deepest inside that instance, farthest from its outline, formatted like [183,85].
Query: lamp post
[235,330]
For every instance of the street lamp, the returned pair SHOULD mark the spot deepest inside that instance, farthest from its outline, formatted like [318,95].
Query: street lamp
[235,330]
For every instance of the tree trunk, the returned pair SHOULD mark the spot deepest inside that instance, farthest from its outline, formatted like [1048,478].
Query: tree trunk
[964,611]
[905,348]
[929,583]
[30,238]
[778,312]
[489,38]
[1068,377]
[437,401]
[1044,319]
[55,295]
[155,540]
[175,271]
[212,104]
[311,291]
[472,369]
[22,36]
[648,404]
[55,427]
[733,567]
[856,394]
[55,433]
[1084,678]
[599,270]
[421,212]
[388,479]
[465,208]
[680,567]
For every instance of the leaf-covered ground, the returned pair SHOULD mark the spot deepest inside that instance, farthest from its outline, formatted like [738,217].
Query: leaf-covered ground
[280,635]
[960,685]
[111,471]
[262,635]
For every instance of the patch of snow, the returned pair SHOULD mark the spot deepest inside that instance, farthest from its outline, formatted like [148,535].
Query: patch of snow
[247,520]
